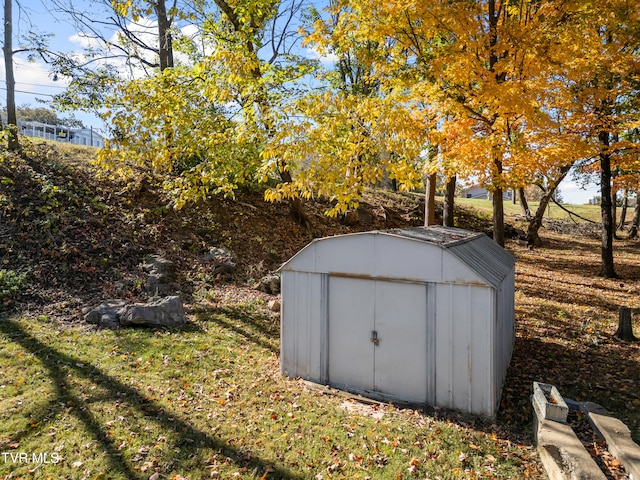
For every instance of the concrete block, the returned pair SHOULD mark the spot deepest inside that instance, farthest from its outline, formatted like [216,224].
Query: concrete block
[549,402]
[563,455]
[619,442]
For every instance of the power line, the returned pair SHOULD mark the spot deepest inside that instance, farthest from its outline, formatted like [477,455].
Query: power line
[35,84]
[40,85]
[30,93]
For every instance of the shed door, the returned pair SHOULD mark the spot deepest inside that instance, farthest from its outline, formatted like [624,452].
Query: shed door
[395,364]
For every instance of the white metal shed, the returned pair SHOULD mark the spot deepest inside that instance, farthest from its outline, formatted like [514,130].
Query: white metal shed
[421,315]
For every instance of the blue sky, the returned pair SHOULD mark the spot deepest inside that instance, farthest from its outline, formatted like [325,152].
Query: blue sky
[34,81]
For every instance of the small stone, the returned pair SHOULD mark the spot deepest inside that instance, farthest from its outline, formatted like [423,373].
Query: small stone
[161,279]
[105,315]
[274,305]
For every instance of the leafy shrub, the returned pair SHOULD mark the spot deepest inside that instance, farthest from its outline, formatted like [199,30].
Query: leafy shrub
[10,282]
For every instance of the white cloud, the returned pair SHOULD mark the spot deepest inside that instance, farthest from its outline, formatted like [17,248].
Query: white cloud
[85,41]
[326,58]
[574,193]
[32,74]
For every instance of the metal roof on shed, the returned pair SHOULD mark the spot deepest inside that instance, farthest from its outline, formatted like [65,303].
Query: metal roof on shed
[477,250]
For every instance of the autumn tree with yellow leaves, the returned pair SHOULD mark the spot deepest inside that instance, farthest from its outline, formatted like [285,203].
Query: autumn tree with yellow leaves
[504,92]
[480,73]
[202,121]
[601,60]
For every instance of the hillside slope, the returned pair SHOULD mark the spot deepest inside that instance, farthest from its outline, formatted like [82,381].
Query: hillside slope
[81,237]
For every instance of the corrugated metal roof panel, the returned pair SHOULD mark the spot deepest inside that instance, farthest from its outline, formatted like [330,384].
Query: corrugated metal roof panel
[486,257]
[434,234]
[479,252]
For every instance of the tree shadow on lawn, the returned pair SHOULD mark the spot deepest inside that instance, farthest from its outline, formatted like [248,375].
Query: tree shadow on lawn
[252,325]
[188,439]
[605,374]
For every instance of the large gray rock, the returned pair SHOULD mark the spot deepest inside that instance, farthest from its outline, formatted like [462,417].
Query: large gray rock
[270,284]
[105,315]
[162,275]
[221,259]
[165,311]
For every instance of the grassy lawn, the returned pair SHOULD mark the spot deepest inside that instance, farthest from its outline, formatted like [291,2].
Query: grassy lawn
[208,401]
[555,212]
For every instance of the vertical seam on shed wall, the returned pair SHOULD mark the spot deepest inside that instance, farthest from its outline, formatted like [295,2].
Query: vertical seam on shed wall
[283,330]
[324,329]
[293,334]
[431,344]
[451,349]
[469,349]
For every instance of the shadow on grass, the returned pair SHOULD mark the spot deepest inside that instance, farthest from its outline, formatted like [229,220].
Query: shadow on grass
[188,438]
[253,326]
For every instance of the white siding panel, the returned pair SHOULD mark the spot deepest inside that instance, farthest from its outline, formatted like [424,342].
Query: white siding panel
[444,345]
[401,356]
[482,359]
[462,342]
[301,325]
[304,260]
[504,332]
[397,257]
[461,309]
[347,254]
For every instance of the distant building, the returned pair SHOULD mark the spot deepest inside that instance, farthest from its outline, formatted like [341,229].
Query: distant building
[61,133]
[477,191]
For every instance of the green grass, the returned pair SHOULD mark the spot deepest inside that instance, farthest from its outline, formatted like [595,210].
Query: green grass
[591,212]
[208,401]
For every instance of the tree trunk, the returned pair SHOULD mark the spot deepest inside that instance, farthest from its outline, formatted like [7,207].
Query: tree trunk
[296,205]
[448,209]
[430,201]
[535,223]
[614,211]
[635,223]
[12,121]
[623,213]
[524,205]
[498,217]
[533,239]
[625,326]
[165,42]
[606,209]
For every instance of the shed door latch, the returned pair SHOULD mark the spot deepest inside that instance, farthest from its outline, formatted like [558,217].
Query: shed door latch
[374,338]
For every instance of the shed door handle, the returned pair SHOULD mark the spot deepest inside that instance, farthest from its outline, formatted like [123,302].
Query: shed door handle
[374,338]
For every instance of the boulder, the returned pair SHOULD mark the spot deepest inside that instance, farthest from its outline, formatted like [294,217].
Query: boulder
[270,284]
[159,311]
[162,275]
[105,315]
[222,260]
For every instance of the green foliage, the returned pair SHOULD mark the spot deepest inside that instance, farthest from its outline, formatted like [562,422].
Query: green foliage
[10,282]
[166,123]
